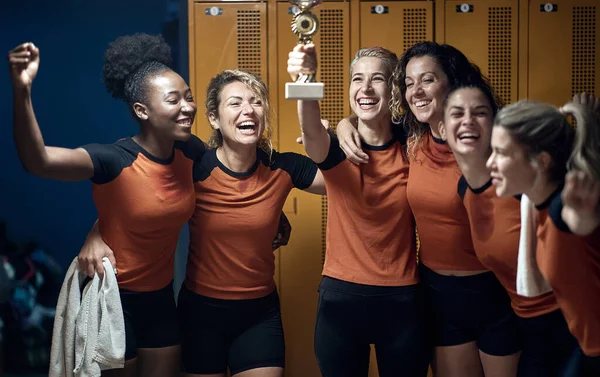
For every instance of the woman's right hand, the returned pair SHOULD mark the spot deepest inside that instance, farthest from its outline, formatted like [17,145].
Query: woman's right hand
[302,60]
[23,62]
[92,252]
[350,142]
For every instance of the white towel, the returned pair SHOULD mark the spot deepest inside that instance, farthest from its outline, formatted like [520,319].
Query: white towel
[89,330]
[530,281]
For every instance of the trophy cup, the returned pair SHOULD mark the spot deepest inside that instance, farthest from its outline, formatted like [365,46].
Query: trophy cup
[305,25]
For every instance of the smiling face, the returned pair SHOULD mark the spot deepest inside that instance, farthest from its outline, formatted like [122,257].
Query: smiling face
[512,170]
[369,90]
[240,116]
[171,108]
[426,88]
[468,122]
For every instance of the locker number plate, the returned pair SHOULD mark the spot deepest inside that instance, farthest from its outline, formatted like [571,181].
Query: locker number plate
[379,9]
[464,8]
[213,11]
[548,8]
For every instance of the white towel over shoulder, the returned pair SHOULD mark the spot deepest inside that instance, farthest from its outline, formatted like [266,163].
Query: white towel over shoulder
[89,330]
[530,282]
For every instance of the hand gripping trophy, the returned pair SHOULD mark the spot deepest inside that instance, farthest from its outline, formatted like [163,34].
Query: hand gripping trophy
[305,25]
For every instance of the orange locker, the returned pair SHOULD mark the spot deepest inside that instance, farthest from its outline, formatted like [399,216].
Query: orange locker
[301,262]
[224,36]
[395,25]
[487,32]
[563,40]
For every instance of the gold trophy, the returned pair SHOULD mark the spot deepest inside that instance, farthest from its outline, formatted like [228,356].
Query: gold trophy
[305,25]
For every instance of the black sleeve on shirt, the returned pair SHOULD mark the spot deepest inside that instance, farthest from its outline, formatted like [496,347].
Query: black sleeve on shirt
[555,212]
[334,156]
[193,148]
[109,161]
[301,168]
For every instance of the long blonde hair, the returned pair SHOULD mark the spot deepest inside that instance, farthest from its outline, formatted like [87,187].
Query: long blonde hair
[213,100]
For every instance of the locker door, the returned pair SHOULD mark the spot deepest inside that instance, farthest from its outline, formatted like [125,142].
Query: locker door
[301,261]
[224,36]
[487,33]
[564,47]
[395,25]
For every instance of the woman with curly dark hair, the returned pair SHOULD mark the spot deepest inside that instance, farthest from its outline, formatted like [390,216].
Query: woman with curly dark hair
[142,186]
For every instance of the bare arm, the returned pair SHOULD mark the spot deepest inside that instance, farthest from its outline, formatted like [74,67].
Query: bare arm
[92,252]
[350,142]
[318,185]
[580,197]
[48,162]
[303,59]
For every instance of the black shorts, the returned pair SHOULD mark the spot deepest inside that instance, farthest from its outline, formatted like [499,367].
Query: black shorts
[150,319]
[548,346]
[239,334]
[471,308]
[351,317]
[581,365]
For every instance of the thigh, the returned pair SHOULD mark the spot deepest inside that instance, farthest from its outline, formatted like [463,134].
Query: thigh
[499,366]
[159,362]
[339,340]
[205,338]
[260,346]
[457,361]
[401,342]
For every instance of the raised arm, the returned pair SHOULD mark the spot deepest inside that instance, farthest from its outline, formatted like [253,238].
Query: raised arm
[580,197]
[318,185]
[48,162]
[303,59]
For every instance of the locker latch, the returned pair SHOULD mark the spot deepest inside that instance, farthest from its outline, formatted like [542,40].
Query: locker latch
[548,8]
[464,8]
[379,9]
[213,11]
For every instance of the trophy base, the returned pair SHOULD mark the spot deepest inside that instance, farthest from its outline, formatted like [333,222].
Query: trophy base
[304,91]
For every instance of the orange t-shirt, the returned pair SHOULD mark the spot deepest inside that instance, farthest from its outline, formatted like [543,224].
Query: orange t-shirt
[143,202]
[442,221]
[571,264]
[495,229]
[235,221]
[370,228]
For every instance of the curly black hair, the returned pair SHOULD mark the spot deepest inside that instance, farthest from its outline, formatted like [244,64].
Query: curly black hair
[457,67]
[130,60]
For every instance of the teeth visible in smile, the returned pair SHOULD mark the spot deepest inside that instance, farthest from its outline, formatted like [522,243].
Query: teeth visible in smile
[422,103]
[366,102]
[246,125]
[468,136]
[185,122]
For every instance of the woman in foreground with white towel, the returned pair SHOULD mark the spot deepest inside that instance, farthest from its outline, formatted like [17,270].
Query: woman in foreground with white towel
[536,152]
[495,222]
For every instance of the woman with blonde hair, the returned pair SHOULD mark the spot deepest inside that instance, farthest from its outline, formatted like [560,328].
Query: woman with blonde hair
[370,292]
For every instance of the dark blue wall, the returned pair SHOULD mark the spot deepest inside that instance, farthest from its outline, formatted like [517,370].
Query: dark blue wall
[71,104]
